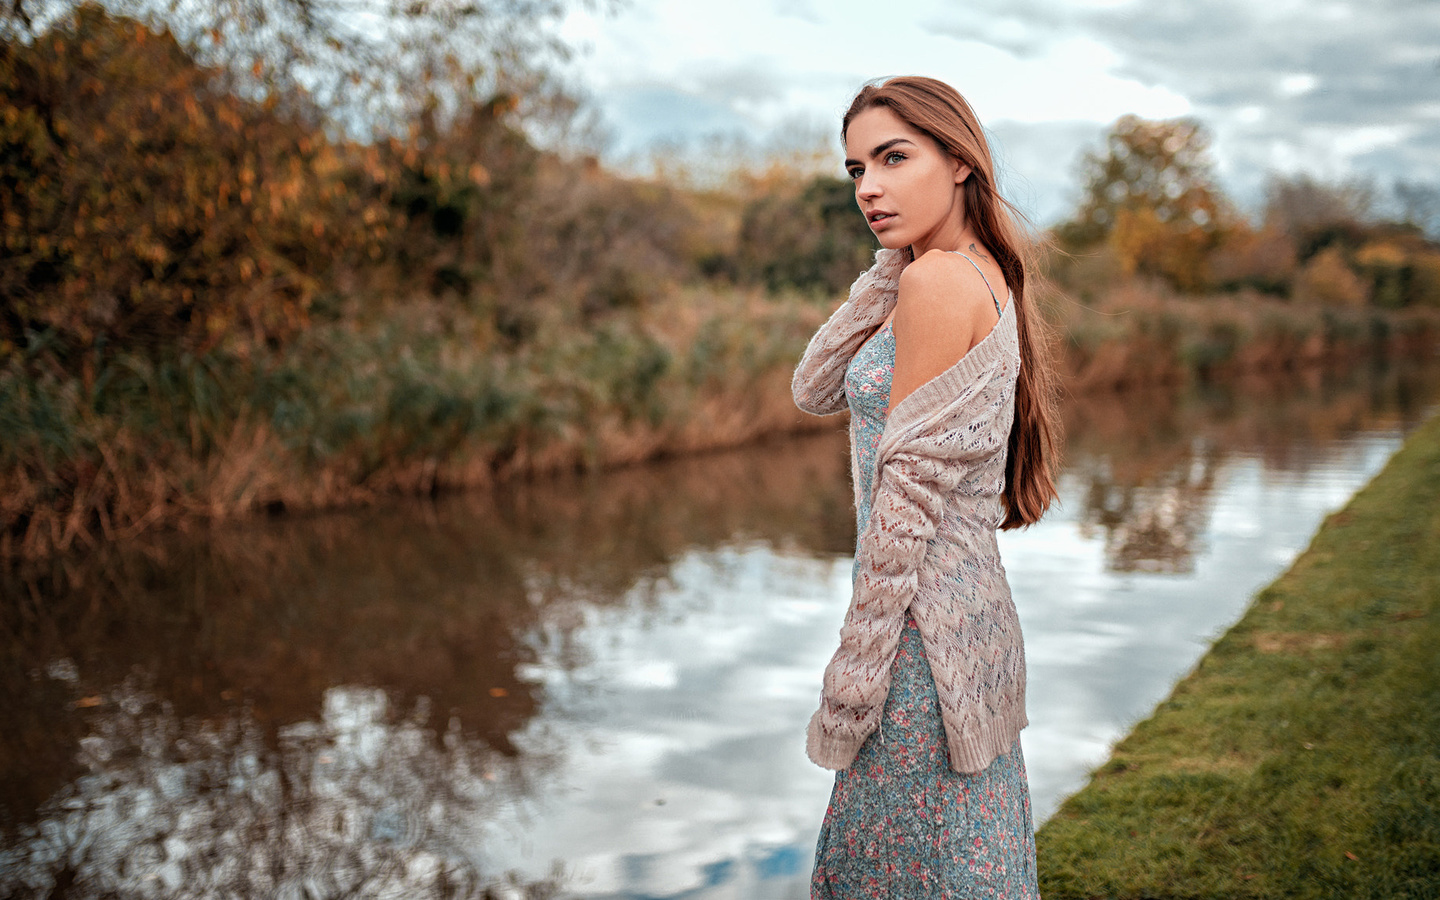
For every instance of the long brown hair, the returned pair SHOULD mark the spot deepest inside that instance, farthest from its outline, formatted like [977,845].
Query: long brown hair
[939,111]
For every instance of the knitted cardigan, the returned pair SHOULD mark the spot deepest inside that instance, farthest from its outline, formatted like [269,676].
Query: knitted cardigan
[929,544]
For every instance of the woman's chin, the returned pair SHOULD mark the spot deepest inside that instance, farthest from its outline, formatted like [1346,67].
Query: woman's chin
[891,241]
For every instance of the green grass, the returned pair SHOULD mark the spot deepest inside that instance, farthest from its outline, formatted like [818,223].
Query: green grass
[1301,758]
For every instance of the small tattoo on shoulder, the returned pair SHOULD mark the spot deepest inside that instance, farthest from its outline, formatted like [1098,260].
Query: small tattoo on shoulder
[976,250]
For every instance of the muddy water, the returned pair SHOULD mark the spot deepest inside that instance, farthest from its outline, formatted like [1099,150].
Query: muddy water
[597,687]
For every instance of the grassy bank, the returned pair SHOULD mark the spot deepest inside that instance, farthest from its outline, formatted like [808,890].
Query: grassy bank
[1300,758]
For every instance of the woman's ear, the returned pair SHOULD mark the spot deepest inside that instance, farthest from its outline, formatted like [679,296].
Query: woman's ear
[962,172]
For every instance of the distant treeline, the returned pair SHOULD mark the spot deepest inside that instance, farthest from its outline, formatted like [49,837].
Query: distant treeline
[220,294]
[1152,208]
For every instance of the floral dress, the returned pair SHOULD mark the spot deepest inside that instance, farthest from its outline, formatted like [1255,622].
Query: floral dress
[901,823]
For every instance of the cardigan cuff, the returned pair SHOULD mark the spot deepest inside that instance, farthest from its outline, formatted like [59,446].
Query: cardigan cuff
[828,751]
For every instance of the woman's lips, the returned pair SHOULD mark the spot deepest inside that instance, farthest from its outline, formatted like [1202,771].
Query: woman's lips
[879,219]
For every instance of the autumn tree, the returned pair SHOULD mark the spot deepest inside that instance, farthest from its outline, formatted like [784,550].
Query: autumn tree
[1150,195]
[164,184]
[372,68]
[1419,206]
[144,204]
[1339,224]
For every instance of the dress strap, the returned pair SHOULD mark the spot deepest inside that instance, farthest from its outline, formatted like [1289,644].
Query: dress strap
[995,299]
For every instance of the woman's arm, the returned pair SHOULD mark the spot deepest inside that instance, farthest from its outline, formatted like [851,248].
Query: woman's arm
[819,382]
[904,517]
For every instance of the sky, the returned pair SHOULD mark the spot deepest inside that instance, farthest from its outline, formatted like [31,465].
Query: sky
[1336,89]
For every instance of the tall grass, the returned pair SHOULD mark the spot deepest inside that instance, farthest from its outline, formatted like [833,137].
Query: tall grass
[413,402]
[1143,333]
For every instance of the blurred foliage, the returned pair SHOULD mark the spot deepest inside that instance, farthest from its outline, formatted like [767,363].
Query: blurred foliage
[1151,196]
[1418,206]
[1350,254]
[1316,215]
[371,68]
[805,235]
[1260,258]
[1325,280]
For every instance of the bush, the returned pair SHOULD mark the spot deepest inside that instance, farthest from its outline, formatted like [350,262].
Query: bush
[1327,281]
[144,204]
[1262,259]
[808,236]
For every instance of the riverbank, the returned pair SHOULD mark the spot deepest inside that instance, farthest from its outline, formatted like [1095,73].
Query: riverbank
[423,397]
[415,402]
[1299,758]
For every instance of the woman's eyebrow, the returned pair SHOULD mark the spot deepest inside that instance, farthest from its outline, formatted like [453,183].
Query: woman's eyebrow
[879,150]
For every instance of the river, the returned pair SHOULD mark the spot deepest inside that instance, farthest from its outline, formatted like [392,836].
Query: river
[597,686]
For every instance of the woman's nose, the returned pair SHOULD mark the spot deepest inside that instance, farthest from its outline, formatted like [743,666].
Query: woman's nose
[868,186]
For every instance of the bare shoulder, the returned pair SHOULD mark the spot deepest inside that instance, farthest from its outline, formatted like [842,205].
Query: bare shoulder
[941,289]
[943,310]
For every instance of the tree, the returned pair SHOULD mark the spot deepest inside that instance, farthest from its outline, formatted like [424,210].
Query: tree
[371,67]
[1419,205]
[807,235]
[1151,196]
[143,204]
[1317,214]
[180,177]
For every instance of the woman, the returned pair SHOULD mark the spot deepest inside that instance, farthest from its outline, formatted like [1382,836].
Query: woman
[939,356]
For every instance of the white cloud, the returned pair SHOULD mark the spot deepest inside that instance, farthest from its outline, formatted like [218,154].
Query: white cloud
[1296,84]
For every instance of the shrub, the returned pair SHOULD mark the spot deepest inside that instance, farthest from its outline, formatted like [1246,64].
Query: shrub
[1326,280]
[1262,259]
[145,204]
[806,235]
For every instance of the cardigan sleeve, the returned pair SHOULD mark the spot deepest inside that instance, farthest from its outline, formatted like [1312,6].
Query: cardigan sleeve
[819,381]
[906,512]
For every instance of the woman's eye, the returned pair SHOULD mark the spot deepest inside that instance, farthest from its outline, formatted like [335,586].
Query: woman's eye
[894,156]
[855,173]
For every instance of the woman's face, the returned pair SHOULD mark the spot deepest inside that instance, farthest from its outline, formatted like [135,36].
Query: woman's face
[907,187]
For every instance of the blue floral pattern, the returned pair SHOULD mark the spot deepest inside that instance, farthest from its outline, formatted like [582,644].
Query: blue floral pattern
[901,823]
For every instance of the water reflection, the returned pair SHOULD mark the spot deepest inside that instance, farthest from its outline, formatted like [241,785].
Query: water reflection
[474,609]
[597,687]
[1150,527]
[356,803]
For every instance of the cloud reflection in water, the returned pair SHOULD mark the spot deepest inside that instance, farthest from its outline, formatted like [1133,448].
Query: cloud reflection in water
[595,688]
